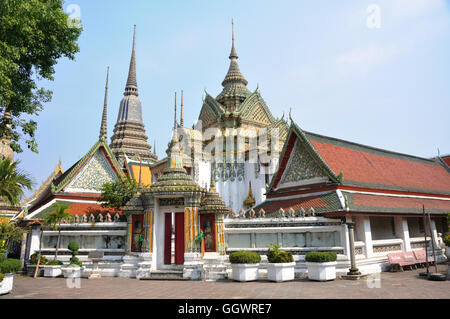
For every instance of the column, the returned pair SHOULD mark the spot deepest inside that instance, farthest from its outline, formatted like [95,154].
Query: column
[351,234]
[365,232]
[220,247]
[129,234]
[148,230]
[401,230]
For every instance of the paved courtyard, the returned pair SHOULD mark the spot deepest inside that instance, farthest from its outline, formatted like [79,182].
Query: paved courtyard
[406,284]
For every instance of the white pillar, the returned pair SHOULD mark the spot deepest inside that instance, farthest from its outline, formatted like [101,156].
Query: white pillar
[35,239]
[434,235]
[402,230]
[364,232]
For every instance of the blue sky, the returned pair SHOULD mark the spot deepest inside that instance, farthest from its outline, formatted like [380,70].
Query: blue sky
[387,87]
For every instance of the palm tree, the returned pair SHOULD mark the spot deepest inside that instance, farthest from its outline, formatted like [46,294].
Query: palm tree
[54,220]
[13,181]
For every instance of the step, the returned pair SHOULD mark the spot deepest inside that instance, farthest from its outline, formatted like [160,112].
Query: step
[166,275]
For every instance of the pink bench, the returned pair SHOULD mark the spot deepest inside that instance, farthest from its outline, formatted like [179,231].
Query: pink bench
[421,256]
[410,259]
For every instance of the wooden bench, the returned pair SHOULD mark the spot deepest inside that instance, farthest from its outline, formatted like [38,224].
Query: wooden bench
[421,256]
[399,260]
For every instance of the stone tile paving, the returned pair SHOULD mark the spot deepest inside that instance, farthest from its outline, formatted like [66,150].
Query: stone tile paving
[406,284]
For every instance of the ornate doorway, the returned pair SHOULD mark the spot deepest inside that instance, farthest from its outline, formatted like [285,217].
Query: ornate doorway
[208,227]
[178,240]
[137,233]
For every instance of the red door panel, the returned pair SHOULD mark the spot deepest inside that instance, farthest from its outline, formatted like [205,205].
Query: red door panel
[179,238]
[167,238]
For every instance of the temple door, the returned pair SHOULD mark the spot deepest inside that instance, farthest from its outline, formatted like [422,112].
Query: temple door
[179,238]
[208,227]
[137,234]
[167,238]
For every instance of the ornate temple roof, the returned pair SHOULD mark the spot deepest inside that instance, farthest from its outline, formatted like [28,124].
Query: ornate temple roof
[212,203]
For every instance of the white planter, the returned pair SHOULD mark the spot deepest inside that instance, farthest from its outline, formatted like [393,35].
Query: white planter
[244,272]
[280,271]
[321,271]
[52,271]
[72,272]
[7,284]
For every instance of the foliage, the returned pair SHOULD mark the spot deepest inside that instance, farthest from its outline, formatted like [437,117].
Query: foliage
[13,181]
[54,262]
[34,34]
[275,255]
[447,240]
[34,259]
[244,257]
[2,257]
[74,247]
[54,219]
[10,232]
[117,194]
[1,277]
[10,265]
[321,257]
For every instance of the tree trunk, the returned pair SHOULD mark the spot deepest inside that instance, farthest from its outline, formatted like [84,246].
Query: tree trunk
[57,243]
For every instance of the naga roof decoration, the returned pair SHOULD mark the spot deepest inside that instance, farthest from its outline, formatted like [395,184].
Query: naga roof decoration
[65,179]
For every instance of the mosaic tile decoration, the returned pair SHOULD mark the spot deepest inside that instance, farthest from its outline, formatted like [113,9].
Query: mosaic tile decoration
[95,174]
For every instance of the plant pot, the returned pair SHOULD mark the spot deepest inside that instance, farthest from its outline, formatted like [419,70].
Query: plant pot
[7,284]
[52,271]
[244,272]
[72,272]
[321,271]
[280,271]
[31,269]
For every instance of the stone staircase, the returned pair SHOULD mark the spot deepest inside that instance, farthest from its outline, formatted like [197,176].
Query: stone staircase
[214,267]
[165,275]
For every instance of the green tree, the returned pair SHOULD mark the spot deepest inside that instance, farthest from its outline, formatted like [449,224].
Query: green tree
[116,195]
[54,220]
[34,34]
[13,181]
[10,232]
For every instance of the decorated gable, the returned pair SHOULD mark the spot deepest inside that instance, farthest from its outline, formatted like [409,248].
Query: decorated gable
[302,166]
[94,174]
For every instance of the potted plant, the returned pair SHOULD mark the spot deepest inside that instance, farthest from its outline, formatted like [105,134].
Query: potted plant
[244,265]
[321,265]
[8,266]
[74,268]
[53,268]
[280,265]
[32,264]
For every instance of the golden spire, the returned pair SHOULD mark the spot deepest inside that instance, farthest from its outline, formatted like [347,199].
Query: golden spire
[103,127]
[181,116]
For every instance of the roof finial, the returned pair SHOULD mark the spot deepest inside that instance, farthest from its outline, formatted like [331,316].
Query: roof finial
[131,86]
[103,127]
[233,53]
[175,113]
[181,116]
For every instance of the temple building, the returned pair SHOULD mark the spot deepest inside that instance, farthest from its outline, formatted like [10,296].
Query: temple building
[244,179]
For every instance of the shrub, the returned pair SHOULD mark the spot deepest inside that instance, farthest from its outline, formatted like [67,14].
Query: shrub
[275,255]
[75,261]
[2,257]
[321,257]
[447,240]
[34,259]
[54,263]
[244,257]
[1,277]
[10,265]
[73,247]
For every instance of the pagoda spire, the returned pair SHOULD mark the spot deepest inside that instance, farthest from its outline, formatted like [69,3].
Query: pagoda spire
[175,114]
[103,127]
[131,86]
[181,115]
[234,85]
